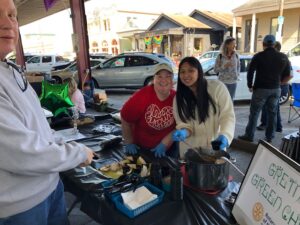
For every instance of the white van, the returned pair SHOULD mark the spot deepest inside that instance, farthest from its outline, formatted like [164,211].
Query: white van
[44,63]
[294,57]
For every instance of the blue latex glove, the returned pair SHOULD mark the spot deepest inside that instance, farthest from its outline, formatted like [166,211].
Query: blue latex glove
[180,135]
[131,149]
[220,143]
[159,150]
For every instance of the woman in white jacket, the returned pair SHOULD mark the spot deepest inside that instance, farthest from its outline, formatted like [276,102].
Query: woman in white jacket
[203,109]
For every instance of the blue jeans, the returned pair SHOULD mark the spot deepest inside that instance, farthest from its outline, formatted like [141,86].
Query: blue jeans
[264,113]
[260,97]
[51,211]
[264,117]
[231,88]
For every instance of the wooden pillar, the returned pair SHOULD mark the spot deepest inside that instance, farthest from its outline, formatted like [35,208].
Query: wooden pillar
[20,53]
[252,37]
[80,40]
[234,27]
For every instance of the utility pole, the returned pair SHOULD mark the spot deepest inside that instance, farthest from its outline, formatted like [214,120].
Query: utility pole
[280,22]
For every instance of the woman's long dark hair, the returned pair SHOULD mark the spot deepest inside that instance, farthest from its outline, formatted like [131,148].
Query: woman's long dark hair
[187,102]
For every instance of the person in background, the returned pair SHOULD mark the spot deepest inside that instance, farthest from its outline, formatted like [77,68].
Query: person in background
[147,117]
[31,192]
[228,65]
[88,94]
[76,95]
[272,68]
[203,109]
[284,86]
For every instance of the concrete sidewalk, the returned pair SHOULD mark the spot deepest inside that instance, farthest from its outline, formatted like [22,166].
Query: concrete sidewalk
[242,113]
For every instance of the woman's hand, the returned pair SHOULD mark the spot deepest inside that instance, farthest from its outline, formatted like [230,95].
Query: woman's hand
[180,135]
[159,150]
[221,143]
[131,149]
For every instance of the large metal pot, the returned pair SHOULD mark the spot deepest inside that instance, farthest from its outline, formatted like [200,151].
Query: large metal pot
[205,169]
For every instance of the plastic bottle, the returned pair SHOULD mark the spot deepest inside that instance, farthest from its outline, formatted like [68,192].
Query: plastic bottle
[176,185]
[156,175]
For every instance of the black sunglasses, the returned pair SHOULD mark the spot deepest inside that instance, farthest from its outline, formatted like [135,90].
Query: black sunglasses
[21,80]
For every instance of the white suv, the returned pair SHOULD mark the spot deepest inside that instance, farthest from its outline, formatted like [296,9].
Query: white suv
[44,63]
[294,57]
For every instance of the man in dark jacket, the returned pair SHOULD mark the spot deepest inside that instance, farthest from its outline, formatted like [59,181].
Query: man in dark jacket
[272,68]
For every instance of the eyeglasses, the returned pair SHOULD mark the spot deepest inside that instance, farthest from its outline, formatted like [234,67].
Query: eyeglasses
[21,80]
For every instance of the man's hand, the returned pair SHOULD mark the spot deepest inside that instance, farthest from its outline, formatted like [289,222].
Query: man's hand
[180,135]
[251,89]
[90,155]
[159,150]
[131,149]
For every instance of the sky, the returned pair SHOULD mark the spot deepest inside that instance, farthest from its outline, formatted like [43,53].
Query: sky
[60,23]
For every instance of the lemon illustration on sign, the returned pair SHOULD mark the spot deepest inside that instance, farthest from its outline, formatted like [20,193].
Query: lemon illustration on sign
[258,211]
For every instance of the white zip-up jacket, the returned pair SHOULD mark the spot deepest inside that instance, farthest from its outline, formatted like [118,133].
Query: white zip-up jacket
[223,122]
[29,158]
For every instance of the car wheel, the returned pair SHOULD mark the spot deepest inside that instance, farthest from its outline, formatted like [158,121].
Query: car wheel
[284,98]
[57,80]
[148,81]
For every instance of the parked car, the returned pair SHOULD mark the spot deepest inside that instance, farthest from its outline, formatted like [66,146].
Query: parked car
[44,63]
[104,56]
[72,71]
[129,70]
[294,57]
[27,56]
[242,92]
[61,67]
[208,55]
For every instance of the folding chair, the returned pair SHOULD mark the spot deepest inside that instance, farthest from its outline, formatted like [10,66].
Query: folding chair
[295,103]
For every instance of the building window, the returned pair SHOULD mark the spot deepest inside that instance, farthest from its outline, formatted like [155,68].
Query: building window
[274,26]
[198,44]
[106,24]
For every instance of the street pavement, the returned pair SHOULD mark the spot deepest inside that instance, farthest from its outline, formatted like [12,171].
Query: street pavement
[240,150]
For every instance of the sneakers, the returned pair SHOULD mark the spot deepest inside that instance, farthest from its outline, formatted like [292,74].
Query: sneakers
[245,138]
[261,127]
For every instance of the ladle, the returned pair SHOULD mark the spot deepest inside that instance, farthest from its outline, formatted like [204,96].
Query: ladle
[234,166]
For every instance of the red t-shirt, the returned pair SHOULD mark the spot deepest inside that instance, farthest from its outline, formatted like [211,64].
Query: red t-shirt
[153,119]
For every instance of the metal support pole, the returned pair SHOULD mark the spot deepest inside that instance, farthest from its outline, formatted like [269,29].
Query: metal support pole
[80,40]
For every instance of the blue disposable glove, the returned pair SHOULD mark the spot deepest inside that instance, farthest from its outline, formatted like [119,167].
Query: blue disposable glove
[159,150]
[131,149]
[180,135]
[221,143]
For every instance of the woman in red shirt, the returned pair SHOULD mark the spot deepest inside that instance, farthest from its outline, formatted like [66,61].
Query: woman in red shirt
[147,117]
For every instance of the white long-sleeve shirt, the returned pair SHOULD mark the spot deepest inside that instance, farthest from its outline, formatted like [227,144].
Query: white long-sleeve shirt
[29,158]
[223,122]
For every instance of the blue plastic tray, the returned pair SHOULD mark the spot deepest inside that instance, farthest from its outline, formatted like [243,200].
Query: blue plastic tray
[118,201]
